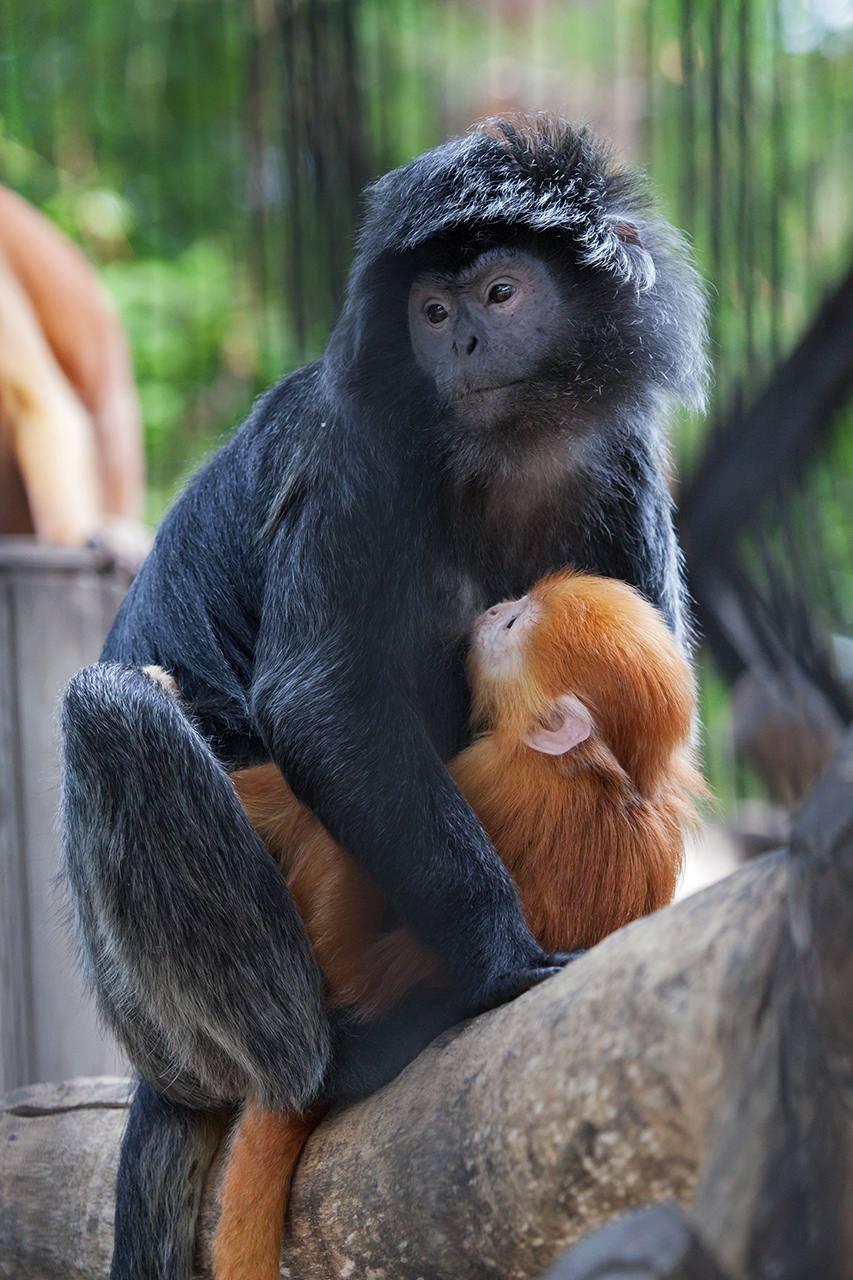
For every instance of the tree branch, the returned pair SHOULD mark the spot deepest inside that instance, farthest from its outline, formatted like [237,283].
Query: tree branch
[701,1055]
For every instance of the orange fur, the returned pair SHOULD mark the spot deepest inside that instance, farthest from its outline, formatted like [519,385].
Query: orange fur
[597,855]
[71,459]
[593,838]
[263,1154]
[342,906]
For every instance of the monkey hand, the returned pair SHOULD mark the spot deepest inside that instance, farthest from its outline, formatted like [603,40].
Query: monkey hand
[510,985]
[124,543]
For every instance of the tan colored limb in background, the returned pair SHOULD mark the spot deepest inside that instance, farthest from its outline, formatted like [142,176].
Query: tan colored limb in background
[44,425]
[82,331]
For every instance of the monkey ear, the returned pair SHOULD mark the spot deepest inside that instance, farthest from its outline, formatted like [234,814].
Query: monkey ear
[638,262]
[568,724]
[628,232]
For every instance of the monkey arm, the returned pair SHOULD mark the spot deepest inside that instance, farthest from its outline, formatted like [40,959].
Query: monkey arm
[329,703]
[78,326]
[394,806]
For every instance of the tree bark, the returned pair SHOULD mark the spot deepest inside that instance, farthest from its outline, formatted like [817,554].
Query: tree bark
[703,1055]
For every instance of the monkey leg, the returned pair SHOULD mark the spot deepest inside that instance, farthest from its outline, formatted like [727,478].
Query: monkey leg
[187,929]
[366,970]
[341,905]
[264,1150]
[394,965]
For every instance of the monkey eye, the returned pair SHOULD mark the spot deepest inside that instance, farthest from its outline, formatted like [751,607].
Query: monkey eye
[500,292]
[435,312]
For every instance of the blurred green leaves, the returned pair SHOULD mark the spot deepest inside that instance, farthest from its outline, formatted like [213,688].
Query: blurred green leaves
[207,154]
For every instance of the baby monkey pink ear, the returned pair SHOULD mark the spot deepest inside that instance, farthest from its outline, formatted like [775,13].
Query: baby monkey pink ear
[569,724]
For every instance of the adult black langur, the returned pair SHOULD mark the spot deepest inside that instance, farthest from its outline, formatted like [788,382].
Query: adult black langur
[489,409]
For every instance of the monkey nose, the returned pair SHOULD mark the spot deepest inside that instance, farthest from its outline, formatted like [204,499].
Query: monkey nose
[508,611]
[471,344]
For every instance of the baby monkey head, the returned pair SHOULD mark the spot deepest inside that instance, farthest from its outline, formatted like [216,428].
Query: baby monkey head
[579,665]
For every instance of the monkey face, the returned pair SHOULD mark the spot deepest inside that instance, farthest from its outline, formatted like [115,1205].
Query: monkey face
[582,655]
[497,641]
[481,333]
[500,667]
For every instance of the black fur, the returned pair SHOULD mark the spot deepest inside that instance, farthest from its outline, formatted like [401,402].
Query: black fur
[309,593]
[165,1154]
[367,1055]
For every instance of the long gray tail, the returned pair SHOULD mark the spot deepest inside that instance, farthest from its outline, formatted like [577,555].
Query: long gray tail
[165,1154]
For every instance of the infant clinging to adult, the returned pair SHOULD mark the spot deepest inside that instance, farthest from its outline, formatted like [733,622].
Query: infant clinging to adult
[583,778]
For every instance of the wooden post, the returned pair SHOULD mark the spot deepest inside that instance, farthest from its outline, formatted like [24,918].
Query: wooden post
[56,605]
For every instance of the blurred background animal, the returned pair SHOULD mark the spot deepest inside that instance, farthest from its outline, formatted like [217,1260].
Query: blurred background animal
[71,461]
[583,779]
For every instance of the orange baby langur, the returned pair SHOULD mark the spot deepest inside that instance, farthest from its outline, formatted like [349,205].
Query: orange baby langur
[583,778]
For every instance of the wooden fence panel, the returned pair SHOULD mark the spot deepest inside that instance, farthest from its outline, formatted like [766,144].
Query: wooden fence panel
[55,608]
[15,994]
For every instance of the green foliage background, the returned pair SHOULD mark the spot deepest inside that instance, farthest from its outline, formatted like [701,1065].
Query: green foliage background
[196,149]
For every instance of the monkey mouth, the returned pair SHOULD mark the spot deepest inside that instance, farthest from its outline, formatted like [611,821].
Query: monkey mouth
[483,391]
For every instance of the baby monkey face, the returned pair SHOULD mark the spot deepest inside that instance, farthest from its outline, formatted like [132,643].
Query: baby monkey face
[499,635]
